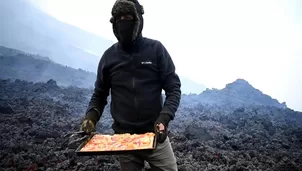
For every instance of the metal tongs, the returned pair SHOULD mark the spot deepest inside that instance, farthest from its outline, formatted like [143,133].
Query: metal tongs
[79,136]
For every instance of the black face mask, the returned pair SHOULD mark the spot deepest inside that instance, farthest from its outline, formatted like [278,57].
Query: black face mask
[125,29]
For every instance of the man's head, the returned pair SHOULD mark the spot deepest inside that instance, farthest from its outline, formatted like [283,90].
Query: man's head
[127,21]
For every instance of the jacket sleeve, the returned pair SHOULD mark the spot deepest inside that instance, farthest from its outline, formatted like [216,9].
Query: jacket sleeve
[170,82]
[100,94]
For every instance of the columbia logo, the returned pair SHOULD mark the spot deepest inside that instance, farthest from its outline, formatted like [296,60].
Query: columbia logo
[146,62]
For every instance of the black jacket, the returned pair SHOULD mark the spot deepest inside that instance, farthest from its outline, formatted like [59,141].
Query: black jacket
[136,81]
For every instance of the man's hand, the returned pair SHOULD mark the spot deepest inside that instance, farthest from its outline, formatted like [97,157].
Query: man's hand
[88,126]
[161,126]
[89,122]
[160,132]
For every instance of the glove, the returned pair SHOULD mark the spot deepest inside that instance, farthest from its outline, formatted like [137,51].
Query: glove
[89,122]
[161,135]
[88,126]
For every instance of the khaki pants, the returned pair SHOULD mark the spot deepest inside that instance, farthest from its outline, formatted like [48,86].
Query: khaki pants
[160,159]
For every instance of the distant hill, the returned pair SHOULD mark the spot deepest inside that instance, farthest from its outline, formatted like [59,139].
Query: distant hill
[16,64]
[4,51]
[237,93]
[25,27]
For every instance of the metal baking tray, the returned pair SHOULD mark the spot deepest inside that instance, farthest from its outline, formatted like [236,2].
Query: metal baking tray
[113,152]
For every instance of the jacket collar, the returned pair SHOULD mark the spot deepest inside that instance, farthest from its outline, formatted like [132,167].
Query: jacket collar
[136,45]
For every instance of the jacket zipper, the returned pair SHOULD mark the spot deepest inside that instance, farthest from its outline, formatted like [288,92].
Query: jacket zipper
[133,83]
[135,101]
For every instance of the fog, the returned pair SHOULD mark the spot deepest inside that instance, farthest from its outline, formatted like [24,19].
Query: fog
[211,43]
[214,43]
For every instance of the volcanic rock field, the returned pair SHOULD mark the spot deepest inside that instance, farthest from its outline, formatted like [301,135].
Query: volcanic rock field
[35,117]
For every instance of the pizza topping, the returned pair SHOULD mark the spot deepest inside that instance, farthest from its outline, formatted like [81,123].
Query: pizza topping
[119,142]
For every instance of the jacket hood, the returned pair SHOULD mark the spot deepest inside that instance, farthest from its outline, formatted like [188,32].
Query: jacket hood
[133,7]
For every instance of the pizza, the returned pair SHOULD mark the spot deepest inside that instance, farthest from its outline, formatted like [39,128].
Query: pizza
[120,142]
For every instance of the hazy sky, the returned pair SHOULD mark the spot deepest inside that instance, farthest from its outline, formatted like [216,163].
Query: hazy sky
[214,42]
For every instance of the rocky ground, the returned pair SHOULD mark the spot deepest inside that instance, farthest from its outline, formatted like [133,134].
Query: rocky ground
[34,118]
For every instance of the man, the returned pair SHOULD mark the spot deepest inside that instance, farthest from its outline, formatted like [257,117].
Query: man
[135,70]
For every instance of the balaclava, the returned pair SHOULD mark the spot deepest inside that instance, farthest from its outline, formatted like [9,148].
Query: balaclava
[127,31]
